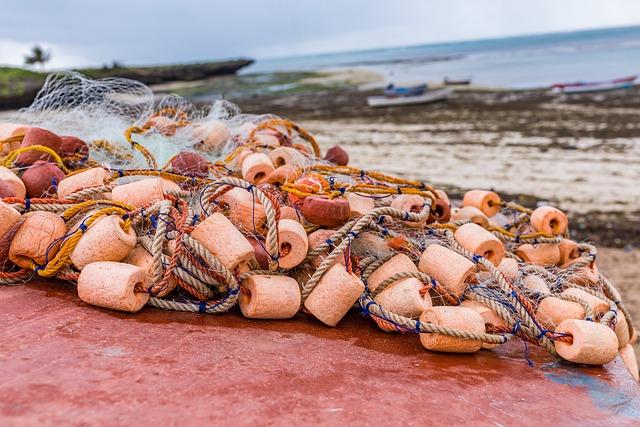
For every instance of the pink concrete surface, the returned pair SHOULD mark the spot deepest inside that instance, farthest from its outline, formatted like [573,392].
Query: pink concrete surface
[64,362]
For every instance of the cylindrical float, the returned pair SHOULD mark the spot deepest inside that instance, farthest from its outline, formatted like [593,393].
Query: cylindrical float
[282,174]
[622,329]
[593,343]
[440,211]
[319,237]
[293,243]
[211,136]
[399,263]
[8,218]
[256,168]
[460,318]
[104,240]
[476,239]
[487,201]
[406,298]
[539,254]
[549,220]
[326,212]
[90,178]
[630,361]
[113,285]
[535,284]
[569,251]
[140,257]
[14,187]
[509,268]
[451,270]
[269,297]
[597,305]
[490,318]
[219,236]
[359,205]
[334,294]
[410,203]
[287,156]
[471,213]
[144,192]
[37,240]
[553,310]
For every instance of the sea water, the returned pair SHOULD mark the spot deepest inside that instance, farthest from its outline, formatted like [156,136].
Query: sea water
[512,62]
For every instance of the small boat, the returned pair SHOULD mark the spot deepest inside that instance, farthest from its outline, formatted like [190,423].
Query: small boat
[393,90]
[581,87]
[457,81]
[426,97]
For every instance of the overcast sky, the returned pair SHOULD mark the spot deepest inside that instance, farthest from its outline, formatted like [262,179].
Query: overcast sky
[88,32]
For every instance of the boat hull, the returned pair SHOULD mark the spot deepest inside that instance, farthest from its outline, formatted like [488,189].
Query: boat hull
[65,362]
[427,97]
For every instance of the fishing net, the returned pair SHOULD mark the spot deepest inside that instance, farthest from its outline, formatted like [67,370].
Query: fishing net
[398,249]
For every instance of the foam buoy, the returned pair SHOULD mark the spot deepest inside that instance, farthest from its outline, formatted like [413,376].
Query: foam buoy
[90,178]
[41,179]
[38,136]
[37,240]
[552,311]
[539,254]
[104,240]
[8,218]
[293,243]
[487,201]
[397,264]
[549,220]
[476,239]
[450,269]
[218,235]
[113,285]
[593,343]
[144,192]
[12,184]
[269,297]
[333,295]
[472,214]
[326,212]
[459,318]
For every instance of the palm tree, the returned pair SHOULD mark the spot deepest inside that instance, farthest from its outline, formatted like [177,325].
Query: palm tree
[37,56]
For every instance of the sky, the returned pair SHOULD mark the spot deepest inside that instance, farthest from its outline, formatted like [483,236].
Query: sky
[136,32]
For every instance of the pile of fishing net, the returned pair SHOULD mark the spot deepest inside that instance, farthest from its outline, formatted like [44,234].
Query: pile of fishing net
[145,202]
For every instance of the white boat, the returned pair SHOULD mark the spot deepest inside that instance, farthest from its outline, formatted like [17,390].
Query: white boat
[582,87]
[391,101]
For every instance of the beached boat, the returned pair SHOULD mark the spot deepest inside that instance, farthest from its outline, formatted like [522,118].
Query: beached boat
[457,81]
[414,90]
[581,87]
[426,97]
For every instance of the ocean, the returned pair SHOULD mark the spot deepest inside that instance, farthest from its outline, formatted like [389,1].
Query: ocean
[511,62]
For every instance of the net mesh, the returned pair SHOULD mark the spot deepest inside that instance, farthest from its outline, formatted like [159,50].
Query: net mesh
[132,135]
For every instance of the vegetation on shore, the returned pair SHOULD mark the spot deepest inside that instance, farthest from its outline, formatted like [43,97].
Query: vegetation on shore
[19,86]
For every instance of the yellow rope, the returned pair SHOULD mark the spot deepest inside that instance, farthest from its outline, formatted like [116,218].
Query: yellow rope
[75,209]
[128,134]
[161,174]
[11,157]
[62,258]
[12,139]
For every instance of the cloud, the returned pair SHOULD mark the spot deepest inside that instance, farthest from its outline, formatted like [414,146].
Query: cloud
[148,32]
